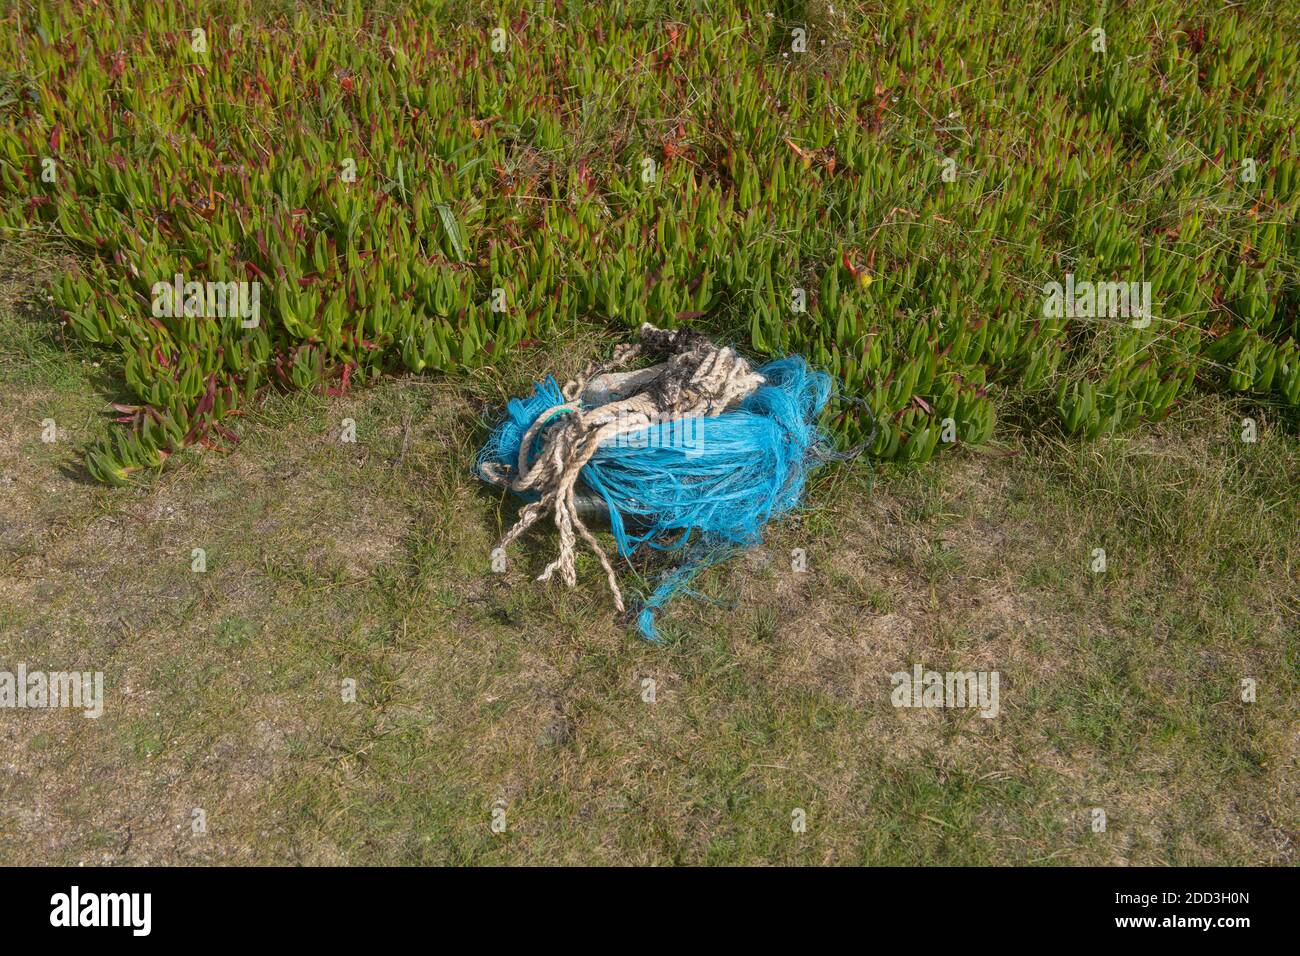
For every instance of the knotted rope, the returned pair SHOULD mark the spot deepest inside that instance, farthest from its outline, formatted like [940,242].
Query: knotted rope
[697,379]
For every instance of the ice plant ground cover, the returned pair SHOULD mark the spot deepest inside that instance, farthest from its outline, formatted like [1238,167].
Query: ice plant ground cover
[310,195]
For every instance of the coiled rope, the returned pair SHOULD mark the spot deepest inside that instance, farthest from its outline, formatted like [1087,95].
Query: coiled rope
[697,452]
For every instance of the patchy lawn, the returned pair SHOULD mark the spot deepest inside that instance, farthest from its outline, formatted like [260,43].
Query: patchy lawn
[329,561]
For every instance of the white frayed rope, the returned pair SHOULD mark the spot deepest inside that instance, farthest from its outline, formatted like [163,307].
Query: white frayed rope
[697,379]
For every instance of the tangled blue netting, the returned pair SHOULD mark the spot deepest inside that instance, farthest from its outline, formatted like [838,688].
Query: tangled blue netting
[706,486]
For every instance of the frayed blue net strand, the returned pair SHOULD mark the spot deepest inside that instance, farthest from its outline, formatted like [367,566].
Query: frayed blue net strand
[702,486]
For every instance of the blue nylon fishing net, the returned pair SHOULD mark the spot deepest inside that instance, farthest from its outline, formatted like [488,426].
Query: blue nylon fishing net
[703,486]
